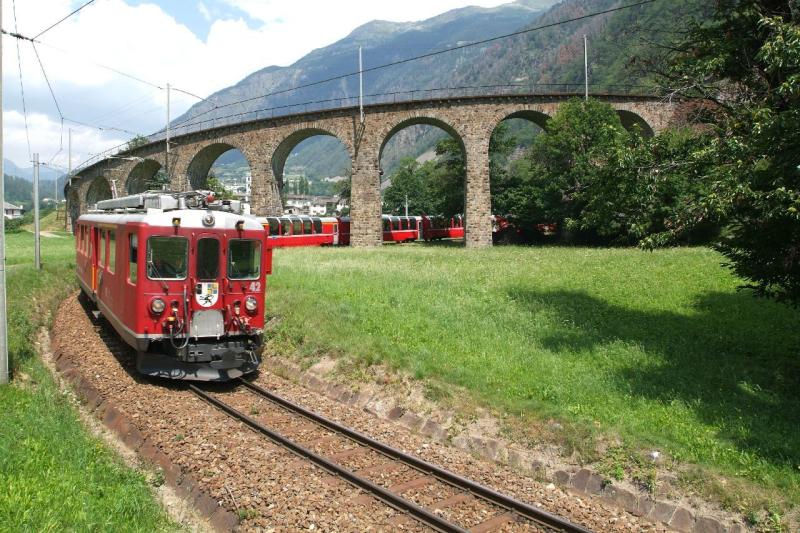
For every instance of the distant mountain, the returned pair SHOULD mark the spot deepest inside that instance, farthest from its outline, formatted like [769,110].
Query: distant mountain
[538,59]
[45,173]
[383,42]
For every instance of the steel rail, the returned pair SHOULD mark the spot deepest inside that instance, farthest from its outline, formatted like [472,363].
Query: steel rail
[388,497]
[526,510]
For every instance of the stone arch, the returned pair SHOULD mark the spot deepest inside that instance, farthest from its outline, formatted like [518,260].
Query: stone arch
[141,174]
[202,161]
[98,189]
[290,142]
[422,120]
[442,123]
[536,117]
[632,121]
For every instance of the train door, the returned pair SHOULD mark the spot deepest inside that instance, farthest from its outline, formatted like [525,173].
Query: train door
[207,319]
[94,237]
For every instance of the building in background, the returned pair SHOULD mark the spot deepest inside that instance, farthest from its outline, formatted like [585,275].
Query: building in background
[304,204]
[11,211]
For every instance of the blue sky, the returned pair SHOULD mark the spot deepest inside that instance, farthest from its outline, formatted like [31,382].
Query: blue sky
[198,16]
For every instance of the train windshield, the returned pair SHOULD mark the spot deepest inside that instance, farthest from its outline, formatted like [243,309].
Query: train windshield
[207,259]
[167,257]
[244,259]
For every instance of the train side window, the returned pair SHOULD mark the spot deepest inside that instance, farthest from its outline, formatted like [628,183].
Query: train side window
[133,258]
[317,225]
[90,244]
[386,225]
[101,248]
[244,259]
[112,251]
[207,265]
[307,226]
[167,257]
[274,226]
[286,227]
[297,227]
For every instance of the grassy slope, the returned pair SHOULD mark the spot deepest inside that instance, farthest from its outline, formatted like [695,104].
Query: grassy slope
[659,347]
[53,475]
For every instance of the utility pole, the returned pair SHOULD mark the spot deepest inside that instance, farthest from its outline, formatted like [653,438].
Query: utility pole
[406,205]
[3,323]
[166,158]
[360,86]
[37,252]
[586,67]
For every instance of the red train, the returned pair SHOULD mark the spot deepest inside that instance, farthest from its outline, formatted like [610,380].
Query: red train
[293,230]
[181,278]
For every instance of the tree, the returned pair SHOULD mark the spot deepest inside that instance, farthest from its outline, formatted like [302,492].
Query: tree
[158,181]
[342,188]
[743,67]
[411,181]
[554,182]
[136,142]
[635,196]
[219,190]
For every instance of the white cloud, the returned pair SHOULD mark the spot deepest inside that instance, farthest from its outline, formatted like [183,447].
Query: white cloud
[47,135]
[146,42]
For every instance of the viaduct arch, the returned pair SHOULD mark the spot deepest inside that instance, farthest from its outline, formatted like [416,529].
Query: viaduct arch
[267,143]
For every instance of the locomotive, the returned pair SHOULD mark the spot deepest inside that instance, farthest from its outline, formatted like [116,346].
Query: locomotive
[181,277]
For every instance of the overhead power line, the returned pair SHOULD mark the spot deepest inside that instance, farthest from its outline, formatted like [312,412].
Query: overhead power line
[62,20]
[21,85]
[422,56]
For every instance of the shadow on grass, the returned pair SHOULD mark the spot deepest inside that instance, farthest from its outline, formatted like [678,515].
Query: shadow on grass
[732,359]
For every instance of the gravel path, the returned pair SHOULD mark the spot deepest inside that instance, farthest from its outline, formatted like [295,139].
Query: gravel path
[272,489]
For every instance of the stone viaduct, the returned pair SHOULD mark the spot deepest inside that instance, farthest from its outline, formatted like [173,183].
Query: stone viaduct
[267,143]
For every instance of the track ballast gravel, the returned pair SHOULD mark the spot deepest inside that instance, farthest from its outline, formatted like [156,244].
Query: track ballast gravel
[271,488]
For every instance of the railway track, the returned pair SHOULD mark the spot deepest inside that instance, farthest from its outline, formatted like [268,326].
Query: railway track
[429,494]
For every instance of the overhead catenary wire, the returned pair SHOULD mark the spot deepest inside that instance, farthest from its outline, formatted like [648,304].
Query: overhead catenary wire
[423,56]
[21,84]
[62,20]
[55,101]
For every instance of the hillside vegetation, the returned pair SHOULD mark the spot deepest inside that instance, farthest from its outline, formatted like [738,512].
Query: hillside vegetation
[534,60]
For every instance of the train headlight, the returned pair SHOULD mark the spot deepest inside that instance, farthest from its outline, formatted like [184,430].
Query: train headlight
[157,306]
[251,304]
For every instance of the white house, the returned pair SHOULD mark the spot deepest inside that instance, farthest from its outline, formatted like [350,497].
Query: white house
[302,204]
[11,211]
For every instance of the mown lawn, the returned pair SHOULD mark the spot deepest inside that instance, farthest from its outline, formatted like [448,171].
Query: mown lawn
[54,476]
[659,348]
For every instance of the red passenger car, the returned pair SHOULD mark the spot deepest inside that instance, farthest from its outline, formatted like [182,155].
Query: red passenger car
[181,278]
[293,230]
[436,228]
[400,229]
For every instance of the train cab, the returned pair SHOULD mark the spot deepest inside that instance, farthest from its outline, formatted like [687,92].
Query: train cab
[181,278]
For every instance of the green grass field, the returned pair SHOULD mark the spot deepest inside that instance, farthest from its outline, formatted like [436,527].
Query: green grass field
[54,476]
[659,348]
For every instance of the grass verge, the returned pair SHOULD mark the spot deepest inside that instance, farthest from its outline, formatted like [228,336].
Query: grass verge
[658,349]
[54,476]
